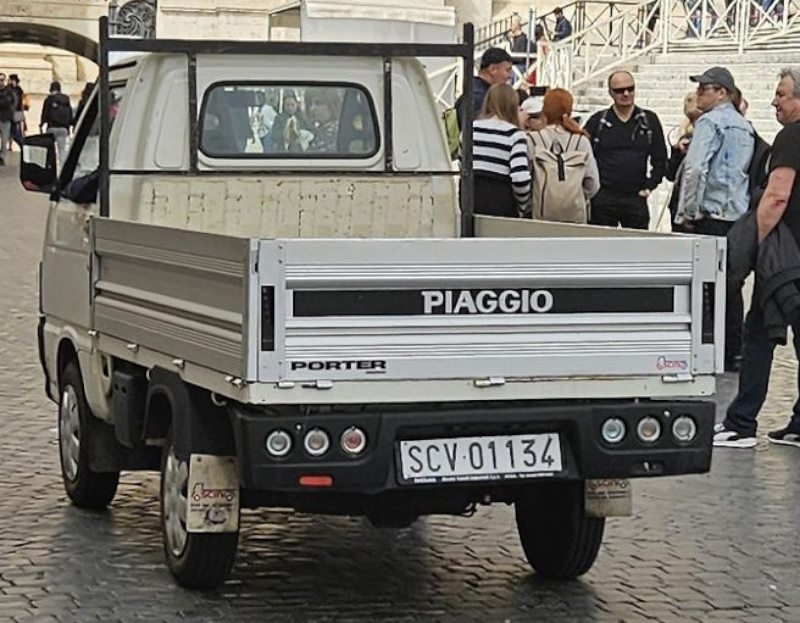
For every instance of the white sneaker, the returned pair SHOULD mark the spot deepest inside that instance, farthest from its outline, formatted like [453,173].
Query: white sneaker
[726,438]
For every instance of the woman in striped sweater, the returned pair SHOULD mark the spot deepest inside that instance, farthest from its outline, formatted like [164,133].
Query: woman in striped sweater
[500,156]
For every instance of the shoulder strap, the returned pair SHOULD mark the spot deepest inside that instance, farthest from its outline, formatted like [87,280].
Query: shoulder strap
[601,125]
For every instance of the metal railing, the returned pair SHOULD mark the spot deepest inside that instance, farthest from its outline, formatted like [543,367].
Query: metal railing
[581,14]
[662,26]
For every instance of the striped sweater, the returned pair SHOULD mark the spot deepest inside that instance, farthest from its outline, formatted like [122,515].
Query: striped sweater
[501,151]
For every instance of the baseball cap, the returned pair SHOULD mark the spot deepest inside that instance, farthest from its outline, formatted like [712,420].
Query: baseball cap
[532,105]
[492,56]
[716,75]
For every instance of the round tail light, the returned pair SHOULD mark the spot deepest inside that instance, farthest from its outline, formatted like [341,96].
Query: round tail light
[353,441]
[613,430]
[278,443]
[316,442]
[684,429]
[648,429]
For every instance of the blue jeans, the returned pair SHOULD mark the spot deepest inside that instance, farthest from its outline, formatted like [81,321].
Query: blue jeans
[754,374]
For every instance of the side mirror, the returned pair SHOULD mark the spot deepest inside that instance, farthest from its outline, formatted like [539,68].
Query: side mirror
[38,171]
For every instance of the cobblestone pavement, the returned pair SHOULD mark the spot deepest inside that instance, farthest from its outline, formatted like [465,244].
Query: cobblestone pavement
[719,547]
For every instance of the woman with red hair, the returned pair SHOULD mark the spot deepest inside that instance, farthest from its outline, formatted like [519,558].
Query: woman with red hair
[565,174]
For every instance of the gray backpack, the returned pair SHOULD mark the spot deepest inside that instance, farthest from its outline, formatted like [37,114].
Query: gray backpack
[558,173]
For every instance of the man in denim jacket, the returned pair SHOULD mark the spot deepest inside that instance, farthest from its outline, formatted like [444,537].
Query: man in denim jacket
[714,188]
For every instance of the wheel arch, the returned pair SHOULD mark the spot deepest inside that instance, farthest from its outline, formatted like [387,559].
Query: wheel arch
[198,425]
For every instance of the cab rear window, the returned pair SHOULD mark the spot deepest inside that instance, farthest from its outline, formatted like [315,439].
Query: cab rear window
[288,121]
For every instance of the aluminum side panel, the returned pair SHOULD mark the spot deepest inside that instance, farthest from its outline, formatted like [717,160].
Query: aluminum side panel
[177,292]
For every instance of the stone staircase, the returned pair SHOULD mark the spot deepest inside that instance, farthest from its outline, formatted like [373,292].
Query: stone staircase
[663,80]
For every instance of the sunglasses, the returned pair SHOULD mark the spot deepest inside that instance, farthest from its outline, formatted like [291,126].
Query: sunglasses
[705,87]
[622,90]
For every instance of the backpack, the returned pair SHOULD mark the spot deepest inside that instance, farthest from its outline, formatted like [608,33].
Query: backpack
[450,120]
[758,169]
[59,111]
[7,103]
[558,174]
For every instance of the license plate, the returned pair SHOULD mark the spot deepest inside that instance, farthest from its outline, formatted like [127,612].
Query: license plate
[497,457]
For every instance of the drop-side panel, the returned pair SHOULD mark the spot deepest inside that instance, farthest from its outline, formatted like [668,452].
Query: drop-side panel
[481,308]
[177,292]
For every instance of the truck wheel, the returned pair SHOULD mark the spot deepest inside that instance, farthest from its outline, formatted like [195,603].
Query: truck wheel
[196,560]
[559,540]
[86,488]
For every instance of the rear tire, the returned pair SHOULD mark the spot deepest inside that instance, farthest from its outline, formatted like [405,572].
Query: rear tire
[559,540]
[86,488]
[196,560]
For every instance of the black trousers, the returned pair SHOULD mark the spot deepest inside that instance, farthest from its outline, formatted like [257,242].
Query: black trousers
[754,374]
[494,197]
[734,305]
[612,208]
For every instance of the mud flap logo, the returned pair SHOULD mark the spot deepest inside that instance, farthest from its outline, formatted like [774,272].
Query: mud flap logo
[213,500]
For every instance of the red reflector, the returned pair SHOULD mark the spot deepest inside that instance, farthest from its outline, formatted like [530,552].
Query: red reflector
[316,481]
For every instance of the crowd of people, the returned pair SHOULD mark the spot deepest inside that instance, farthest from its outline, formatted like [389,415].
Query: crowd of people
[533,160]
[57,117]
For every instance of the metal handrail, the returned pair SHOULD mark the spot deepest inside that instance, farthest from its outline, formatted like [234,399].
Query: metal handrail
[662,26]
[580,13]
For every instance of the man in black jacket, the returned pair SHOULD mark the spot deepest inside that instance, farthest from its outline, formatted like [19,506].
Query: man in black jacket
[494,68]
[780,204]
[57,116]
[624,138]
[7,106]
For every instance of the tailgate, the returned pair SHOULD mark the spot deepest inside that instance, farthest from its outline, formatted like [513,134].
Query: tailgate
[491,309]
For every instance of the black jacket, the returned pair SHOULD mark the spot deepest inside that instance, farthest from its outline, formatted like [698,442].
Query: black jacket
[777,264]
[479,89]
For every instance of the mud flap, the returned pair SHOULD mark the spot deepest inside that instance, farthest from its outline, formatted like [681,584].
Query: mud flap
[608,498]
[213,494]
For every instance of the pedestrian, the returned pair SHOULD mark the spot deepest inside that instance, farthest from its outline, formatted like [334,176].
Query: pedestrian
[57,116]
[565,175]
[517,39]
[779,206]
[291,128]
[678,148]
[494,68]
[18,121]
[519,46]
[324,109]
[500,160]
[7,107]
[626,139]
[563,28]
[714,186]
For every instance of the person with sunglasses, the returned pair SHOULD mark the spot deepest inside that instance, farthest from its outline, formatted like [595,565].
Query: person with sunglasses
[714,190]
[626,141]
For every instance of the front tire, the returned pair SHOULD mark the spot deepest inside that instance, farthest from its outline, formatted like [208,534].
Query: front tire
[196,560]
[559,540]
[86,488]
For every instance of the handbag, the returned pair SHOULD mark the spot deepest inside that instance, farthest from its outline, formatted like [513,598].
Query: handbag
[18,116]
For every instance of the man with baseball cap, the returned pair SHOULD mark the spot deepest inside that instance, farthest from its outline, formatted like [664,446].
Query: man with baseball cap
[495,68]
[714,190]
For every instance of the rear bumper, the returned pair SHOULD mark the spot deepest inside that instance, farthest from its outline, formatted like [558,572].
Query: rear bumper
[585,455]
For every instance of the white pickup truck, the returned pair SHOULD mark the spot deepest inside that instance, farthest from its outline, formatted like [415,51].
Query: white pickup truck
[277,300]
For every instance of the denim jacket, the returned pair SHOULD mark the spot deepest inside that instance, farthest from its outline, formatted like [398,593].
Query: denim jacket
[715,179]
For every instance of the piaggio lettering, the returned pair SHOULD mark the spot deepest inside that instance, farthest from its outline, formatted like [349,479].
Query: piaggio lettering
[486,301]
